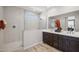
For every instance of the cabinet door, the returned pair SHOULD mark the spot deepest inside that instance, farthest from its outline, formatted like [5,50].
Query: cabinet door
[47,38]
[60,42]
[66,41]
[55,40]
[74,44]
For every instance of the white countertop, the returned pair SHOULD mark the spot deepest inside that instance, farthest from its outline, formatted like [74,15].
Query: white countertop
[74,34]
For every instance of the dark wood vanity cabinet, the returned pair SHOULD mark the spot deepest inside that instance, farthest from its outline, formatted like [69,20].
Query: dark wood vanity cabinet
[65,44]
[50,39]
[55,40]
[47,38]
[70,44]
[74,45]
[61,42]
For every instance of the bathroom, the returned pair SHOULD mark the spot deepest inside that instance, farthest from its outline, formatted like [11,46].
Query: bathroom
[24,24]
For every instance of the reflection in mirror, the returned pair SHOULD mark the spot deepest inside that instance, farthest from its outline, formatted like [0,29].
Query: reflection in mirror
[71,23]
[51,23]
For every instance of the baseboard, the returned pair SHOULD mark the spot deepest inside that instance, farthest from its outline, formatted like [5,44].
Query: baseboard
[12,46]
[32,45]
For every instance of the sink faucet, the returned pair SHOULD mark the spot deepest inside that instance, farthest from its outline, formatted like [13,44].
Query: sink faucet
[70,30]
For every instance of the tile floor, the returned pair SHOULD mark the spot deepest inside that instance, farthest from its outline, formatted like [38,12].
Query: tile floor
[39,48]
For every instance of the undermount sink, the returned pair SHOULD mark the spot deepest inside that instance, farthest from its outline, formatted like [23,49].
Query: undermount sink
[74,34]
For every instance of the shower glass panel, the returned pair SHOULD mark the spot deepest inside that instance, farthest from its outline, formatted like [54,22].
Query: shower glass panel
[31,20]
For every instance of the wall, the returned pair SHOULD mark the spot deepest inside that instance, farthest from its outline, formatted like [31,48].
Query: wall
[1,12]
[43,22]
[1,31]
[14,16]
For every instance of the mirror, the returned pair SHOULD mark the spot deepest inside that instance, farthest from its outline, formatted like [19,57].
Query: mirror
[68,20]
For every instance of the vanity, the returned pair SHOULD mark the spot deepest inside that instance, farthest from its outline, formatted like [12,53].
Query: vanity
[63,41]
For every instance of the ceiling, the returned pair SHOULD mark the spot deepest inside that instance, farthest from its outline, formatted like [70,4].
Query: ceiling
[37,9]
[41,9]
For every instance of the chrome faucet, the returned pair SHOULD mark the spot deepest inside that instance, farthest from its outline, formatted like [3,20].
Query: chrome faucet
[70,30]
